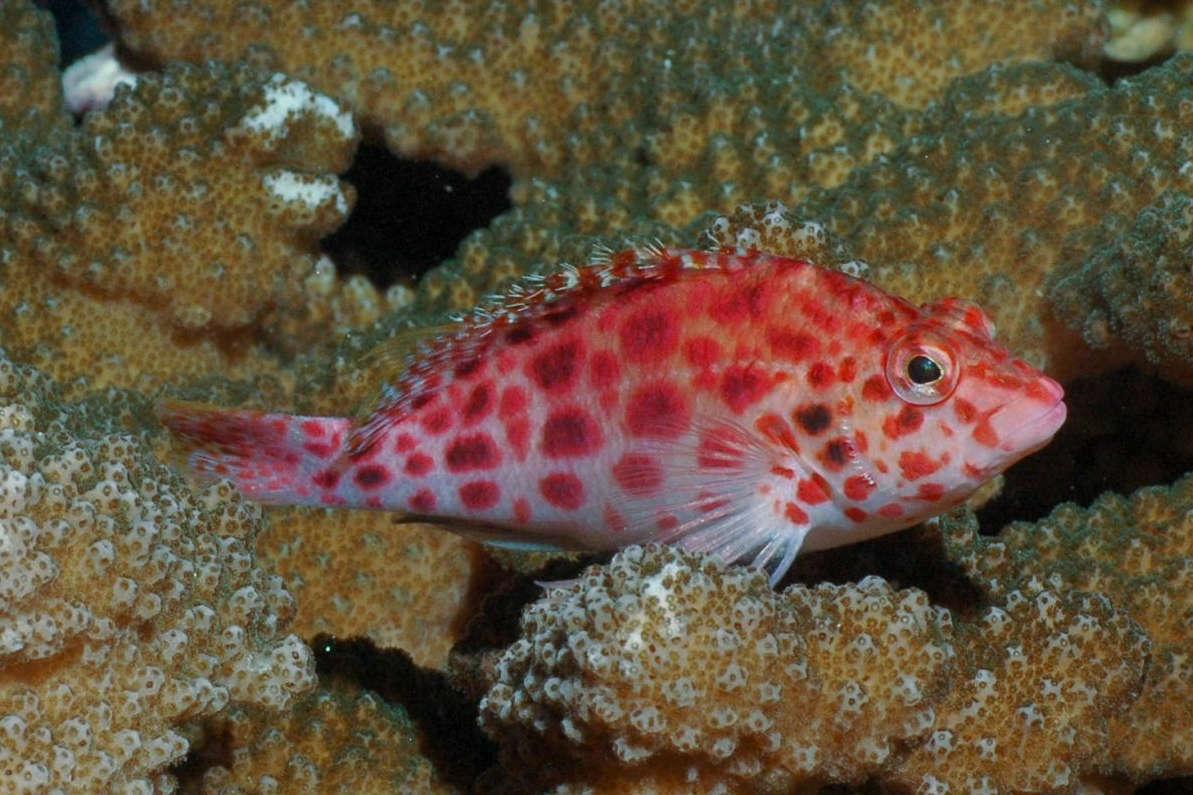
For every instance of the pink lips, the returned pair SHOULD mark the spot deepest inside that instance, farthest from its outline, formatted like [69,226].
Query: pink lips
[1032,421]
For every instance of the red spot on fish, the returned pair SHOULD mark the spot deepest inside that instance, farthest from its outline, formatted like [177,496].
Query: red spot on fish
[814,418]
[556,367]
[405,443]
[478,495]
[820,375]
[570,432]
[984,434]
[517,433]
[891,510]
[856,514]
[468,367]
[638,474]
[561,316]
[719,450]
[418,464]
[814,490]
[480,403]
[795,514]
[859,487]
[371,477]
[513,402]
[649,335]
[563,490]
[603,370]
[657,409]
[930,492]
[739,304]
[702,351]
[522,510]
[312,428]
[776,430]
[326,479]
[908,420]
[667,522]
[876,389]
[741,387]
[422,501]
[848,370]
[474,451]
[437,421]
[614,520]
[420,400]
[319,449]
[794,346]
[519,335]
[916,465]
[836,454]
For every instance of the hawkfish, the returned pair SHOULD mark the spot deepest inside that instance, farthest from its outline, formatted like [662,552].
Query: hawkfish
[738,403]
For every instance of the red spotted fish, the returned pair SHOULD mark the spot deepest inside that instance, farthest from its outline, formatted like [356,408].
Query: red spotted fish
[734,402]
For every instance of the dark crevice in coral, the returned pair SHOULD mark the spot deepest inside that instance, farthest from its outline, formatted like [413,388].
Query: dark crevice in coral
[1110,72]
[446,718]
[410,215]
[1125,430]
[1171,786]
[78,26]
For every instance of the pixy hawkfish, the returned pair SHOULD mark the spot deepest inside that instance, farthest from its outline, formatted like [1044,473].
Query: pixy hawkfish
[734,402]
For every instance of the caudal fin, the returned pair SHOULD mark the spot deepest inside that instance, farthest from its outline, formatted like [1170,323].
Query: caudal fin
[270,457]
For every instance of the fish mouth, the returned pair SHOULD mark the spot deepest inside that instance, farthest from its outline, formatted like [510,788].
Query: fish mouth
[1036,432]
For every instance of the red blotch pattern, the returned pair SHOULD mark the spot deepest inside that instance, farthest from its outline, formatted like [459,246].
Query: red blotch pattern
[795,514]
[966,412]
[522,511]
[555,369]
[657,409]
[775,429]
[859,487]
[649,335]
[423,501]
[856,514]
[372,476]
[638,474]
[984,434]
[738,304]
[907,421]
[892,510]
[794,346]
[312,428]
[474,451]
[741,387]
[702,351]
[563,490]
[813,418]
[570,432]
[405,443]
[513,402]
[916,465]
[437,421]
[319,449]
[876,389]
[812,491]
[479,404]
[603,370]
[836,454]
[479,495]
[517,433]
[418,464]
[326,479]
[930,492]
[821,375]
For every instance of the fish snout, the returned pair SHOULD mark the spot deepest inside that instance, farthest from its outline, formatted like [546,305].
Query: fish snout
[1029,422]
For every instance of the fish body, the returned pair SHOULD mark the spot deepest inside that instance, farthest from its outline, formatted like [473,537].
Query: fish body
[735,402]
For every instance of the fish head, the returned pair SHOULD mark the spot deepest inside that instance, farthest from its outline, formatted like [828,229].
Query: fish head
[977,408]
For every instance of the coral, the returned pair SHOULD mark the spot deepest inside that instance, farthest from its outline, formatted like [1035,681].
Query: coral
[723,684]
[360,574]
[1134,288]
[337,739]
[1138,550]
[30,91]
[128,604]
[668,657]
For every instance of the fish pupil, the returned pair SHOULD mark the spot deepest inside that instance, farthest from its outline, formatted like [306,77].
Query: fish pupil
[922,370]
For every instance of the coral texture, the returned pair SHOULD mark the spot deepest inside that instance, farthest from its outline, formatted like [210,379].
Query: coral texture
[128,604]
[670,658]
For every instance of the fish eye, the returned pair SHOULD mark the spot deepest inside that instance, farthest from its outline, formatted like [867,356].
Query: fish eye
[921,367]
[923,370]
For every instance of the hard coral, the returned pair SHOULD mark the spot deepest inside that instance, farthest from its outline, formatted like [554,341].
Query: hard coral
[337,739]
[722,684]
[128,604]
[1138,551]
[704,670]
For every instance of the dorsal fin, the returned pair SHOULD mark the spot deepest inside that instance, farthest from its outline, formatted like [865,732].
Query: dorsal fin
[537,298]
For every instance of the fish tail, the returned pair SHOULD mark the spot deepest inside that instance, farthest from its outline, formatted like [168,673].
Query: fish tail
[269,457]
